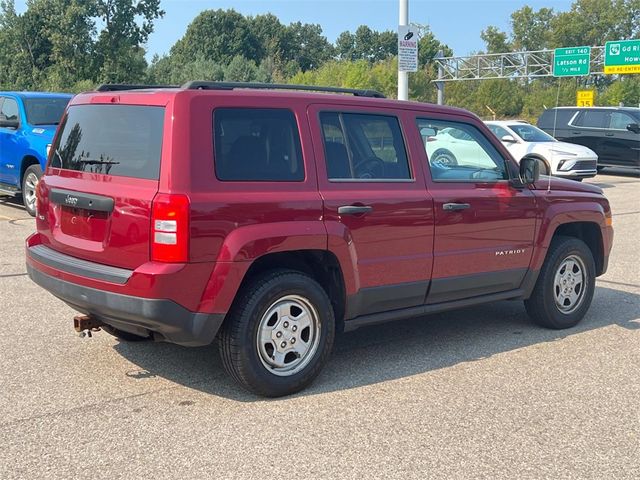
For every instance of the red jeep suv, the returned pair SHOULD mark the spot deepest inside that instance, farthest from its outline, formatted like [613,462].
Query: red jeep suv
[270,219]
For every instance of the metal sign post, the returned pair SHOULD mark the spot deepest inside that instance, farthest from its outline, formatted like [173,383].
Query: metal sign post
[403,77]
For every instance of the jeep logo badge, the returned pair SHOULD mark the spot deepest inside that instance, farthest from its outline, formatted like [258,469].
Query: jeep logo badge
[69,200]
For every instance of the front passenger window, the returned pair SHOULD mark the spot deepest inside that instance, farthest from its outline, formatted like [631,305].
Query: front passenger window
[619,121]
[459,152]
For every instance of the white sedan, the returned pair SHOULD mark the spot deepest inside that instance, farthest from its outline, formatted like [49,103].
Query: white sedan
[562,159]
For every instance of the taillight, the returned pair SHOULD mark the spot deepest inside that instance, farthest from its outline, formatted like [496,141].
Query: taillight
[41,200]
[170,228]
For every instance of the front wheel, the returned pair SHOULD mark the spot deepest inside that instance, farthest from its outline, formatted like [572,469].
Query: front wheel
[565,286]
[279,333]
[29,183]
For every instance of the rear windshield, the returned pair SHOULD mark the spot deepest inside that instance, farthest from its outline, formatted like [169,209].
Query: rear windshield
[120,140]
[45,111]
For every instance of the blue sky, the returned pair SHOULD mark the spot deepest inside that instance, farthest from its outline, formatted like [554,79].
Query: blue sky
[457,23]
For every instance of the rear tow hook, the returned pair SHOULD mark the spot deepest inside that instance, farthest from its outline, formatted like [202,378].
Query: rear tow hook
[85,325]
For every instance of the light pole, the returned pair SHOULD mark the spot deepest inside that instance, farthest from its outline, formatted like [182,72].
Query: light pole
[403,77]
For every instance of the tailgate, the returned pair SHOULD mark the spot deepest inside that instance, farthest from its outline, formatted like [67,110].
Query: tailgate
[96,198]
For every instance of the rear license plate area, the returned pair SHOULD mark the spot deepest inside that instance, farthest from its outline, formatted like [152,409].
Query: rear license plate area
[85,224]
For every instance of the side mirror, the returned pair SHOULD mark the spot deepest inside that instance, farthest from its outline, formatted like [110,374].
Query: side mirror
[508,139]
[633,127]
[6,123]
[529,170]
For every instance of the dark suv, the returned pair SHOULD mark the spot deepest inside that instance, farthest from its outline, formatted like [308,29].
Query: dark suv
[612,132]
[271,219]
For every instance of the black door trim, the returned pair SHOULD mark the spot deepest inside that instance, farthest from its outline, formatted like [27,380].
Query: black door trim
[467,286]
[386,298]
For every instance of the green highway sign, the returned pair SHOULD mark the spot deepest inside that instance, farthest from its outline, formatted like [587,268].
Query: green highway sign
[622,56]
[571,62]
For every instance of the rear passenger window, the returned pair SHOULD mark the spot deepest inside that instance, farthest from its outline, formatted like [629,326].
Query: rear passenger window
[591,119]
[257,144]
[363,147]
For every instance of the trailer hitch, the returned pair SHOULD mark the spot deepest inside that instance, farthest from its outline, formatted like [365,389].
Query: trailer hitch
[85,324]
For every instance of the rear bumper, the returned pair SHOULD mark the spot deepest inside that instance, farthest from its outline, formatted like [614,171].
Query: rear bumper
[164,319]
[151,300]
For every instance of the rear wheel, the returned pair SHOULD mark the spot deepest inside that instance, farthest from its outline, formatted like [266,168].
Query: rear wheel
[29,183]
[279,333]
[565,286]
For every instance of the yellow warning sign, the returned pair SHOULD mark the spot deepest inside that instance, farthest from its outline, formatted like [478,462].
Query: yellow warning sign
[621,69]
[584,98]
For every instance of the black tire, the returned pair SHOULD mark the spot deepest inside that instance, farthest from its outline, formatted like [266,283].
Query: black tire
[28,188]
[238,341]
[542,306]
[122,335]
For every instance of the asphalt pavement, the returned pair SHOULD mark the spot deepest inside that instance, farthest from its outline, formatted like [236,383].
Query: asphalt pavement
[476,393]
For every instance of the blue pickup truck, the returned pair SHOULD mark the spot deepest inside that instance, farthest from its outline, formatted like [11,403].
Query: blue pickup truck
[28,122]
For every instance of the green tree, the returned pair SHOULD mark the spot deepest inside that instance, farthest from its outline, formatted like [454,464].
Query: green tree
[594,22]
[160,70]
[345,46]
[530,29]
[271,36]
[18,56]
[539,96]
[241,70]
[366,44]
[625,91]
[503,97]
[49,46]
[429,46]
[495,40]
[127,26]
[309,48]
[217,35]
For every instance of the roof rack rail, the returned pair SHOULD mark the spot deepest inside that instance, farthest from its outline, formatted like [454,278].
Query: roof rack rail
[120,87]
[202,85]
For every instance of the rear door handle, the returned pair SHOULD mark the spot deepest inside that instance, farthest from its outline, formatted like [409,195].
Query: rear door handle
[354,209]
[455,206]
[608,134]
